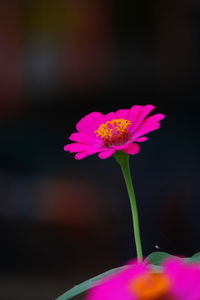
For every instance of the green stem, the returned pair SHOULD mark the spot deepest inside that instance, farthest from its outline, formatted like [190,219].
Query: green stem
[123,160]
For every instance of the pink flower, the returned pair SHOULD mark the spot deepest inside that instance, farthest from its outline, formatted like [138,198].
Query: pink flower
[176,280]
[105,134]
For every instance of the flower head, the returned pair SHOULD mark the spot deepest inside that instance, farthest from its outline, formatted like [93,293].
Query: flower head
[176,280]
[106,134]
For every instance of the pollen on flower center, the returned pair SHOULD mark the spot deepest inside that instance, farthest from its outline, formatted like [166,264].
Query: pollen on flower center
[151,286]
[114,132]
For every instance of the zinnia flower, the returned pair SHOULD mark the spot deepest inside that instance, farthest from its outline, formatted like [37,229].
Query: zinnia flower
[175,281]
[106,134]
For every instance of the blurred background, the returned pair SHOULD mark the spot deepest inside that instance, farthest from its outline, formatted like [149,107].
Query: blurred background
[63,221]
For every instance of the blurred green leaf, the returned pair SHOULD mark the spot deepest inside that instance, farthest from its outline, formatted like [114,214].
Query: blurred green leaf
[195,257]
[156,258]
[84,286]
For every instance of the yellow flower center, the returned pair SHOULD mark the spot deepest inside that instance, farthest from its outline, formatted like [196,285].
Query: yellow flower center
[114,132]
[151,286]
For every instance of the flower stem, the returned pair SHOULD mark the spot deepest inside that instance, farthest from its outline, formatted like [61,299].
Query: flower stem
[123,160]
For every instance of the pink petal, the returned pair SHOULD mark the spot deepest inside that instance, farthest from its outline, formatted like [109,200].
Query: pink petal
[132,149]
[89,152]
[76,147]
[140,117]
[120,147]
[157,117]
[185,279]
[122,113]
[141,139]
[106,154]
[109,117]
[133,112]
[90,123]
[84,139]
[140,132]
[149,124]
[153,119]
[80,155]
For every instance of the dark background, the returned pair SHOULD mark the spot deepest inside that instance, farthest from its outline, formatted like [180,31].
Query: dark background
[63,221]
